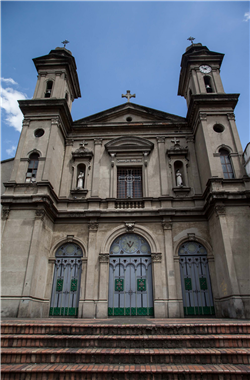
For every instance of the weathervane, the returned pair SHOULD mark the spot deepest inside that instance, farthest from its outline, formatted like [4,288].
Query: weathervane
[65,42]
[128,95]
[191,40]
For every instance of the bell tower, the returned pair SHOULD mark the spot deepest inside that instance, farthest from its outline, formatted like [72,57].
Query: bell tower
[211,114]
[57,77]
[200,72]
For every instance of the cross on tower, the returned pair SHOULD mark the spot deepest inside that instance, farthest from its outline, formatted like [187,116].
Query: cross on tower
[65,42]
[191,39]
[128,95]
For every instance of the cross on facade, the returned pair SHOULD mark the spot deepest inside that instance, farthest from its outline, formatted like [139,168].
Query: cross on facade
[191,39]
[175,141]
[128,96]
[82,144]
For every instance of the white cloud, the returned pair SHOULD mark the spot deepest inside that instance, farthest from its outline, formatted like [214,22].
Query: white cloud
[246,16]
[11,151]
[8,102]
[8,80]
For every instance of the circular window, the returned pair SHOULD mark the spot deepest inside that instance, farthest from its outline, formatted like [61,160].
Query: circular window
[129,118]
[39,132]
[218,128]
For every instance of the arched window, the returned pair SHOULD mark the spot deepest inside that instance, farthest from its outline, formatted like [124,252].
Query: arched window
[208,84]
[32,168]
[49,89]
[66,96]
[226,164]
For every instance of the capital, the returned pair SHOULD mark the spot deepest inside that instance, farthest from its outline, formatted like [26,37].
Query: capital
[156,257]
[160,139]
[5,214]
[93,226]
[167,226]
[202,116]
[231,116]
[98,141]
[104,257]
[130,227]
[220,210]
[40,214]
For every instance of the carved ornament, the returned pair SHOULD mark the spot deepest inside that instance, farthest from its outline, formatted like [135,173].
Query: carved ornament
[231,116]
[5,214]
[104,257]
[160,139]
[130,227]
[220,210]
[40,214]
[98,141]
[167,225]
[26,122]
[93,226]
[156,257]
[202,116]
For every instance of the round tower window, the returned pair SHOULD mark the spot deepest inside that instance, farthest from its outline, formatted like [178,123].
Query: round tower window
[218,128]
[129,118]
[39,132]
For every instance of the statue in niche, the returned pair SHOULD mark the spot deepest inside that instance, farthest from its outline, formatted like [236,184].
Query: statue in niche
[80,180]
[179,182]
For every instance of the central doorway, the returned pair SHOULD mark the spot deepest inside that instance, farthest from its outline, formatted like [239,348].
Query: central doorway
[130,277]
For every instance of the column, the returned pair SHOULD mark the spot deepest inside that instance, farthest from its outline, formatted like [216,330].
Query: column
[50,150]
[236,157]
[102,305]
[162,166]
[96,168]
[159,303]
[91,278]
[236,306]
[19,152]
[173,304]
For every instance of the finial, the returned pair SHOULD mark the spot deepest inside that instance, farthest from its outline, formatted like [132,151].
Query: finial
[191,39]
[65,42]
[128,95]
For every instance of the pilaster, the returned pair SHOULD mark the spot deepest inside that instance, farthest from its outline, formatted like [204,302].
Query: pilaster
[96,168]
[162,165]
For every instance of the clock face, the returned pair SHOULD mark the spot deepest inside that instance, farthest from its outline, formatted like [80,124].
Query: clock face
[205,69]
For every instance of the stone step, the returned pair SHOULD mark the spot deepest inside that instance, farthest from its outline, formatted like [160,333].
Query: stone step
[125,356]
[124,372]
[127,341]
[116,329]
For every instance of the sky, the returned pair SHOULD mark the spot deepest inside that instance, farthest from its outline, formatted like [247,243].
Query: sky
[120,46]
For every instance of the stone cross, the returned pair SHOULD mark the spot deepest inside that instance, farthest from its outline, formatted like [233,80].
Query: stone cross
[175,141]
[82,144]
[128,95]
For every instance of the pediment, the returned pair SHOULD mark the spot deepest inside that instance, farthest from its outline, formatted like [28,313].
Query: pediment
[129,144]
[130,113]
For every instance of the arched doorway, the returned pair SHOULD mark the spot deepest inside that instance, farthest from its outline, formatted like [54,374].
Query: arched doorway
[66,282]
[130,277]
[195,280]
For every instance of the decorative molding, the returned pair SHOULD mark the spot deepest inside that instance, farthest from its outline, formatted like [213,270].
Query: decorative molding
[93,226]
[129,144]
[130,226]
[231,116]
[145,154]
[112,159]
[79,193]
[156,257]
[160,139]
[98,141]
[104,258]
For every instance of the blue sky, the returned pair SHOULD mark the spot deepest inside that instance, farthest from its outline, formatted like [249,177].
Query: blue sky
[121,46]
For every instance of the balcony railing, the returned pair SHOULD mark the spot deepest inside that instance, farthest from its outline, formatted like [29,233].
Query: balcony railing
[129,204]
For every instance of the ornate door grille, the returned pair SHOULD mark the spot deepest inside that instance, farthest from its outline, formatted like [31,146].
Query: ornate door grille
[129,184]
[130,277]
[66,283]
[195,280]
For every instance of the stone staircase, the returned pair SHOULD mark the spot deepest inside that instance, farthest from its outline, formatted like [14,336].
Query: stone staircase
[155,350]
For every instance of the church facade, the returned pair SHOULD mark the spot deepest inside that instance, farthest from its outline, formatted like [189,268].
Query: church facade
[131,211]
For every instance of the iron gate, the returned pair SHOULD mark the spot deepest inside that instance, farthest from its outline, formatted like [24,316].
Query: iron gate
[195,280]
[66,283]
[130,277]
